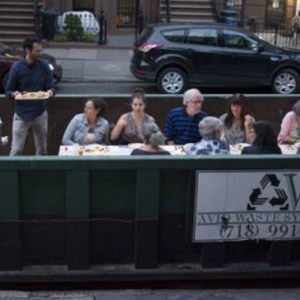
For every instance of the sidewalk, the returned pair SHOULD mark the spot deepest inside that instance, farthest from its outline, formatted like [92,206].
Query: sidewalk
[93,62]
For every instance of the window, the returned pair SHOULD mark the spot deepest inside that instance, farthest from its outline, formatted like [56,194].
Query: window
[233,39]
[275,11]
[203,36]
[176,36]
[82,5]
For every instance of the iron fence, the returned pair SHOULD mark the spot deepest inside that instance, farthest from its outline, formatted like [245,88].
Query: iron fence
[75,26]
[278,34]
[127,11]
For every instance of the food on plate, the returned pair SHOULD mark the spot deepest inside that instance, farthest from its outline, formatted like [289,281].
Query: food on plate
[33,95]
[241,146]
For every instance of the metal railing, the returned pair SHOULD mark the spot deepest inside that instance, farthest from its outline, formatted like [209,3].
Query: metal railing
[37,18]
[278,34]
[168,11]
[75,26]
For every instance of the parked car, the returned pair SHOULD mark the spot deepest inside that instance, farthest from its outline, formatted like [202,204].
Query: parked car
[9,55]
[175,56]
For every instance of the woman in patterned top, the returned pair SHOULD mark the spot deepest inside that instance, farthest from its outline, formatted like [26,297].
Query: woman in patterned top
[210,129]
[130,124]
[237,122]
[89,127]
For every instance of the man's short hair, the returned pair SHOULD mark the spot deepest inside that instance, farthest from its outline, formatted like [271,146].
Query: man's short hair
[29,41]
[189,94]
[210,126]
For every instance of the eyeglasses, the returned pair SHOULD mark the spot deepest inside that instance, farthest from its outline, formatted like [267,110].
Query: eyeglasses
[196,101]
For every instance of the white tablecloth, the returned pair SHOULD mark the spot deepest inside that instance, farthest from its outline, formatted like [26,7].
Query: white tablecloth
[92,150]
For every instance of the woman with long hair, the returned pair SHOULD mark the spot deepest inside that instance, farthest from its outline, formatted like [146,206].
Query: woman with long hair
[236,121]
[263,138]
[130,124]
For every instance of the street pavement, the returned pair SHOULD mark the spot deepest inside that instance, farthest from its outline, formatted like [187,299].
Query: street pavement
[95,63]
[240,294]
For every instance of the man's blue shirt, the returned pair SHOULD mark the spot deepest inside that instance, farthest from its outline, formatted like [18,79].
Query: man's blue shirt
[24,77]
[181,128]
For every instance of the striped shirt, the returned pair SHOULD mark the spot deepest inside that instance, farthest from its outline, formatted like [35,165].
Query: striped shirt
[182,128]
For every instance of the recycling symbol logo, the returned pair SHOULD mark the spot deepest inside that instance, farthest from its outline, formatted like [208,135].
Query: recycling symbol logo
[269,192]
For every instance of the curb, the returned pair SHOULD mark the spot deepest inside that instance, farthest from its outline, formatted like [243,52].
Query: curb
[79,45]
[103,80]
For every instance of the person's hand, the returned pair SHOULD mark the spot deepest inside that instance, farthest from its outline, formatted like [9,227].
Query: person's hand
[89,138]
[50,93]
[14,94]
[4,140]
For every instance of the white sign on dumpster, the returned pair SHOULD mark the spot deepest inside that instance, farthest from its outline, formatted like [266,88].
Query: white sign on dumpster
[235,205]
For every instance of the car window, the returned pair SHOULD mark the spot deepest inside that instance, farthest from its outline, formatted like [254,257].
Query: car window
[203,36]
[176,36]
[239,40]
[145,34]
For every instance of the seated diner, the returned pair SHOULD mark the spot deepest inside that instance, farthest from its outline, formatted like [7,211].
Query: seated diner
[211,129]
[89,127]
[153,139]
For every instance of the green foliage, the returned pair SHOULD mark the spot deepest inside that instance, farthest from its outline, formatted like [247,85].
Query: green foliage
[73,27]
[73,31]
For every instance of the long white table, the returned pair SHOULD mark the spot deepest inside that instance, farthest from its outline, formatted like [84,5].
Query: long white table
[95,149]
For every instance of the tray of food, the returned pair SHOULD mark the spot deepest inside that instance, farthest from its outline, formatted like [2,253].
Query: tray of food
[33,96]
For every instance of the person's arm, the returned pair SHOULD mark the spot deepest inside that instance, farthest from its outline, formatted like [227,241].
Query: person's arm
[286,128]
[151,119]
[169,131]
[248,121]
[69,133]
[49,83]
[118,128]
[11,89]
[101,136]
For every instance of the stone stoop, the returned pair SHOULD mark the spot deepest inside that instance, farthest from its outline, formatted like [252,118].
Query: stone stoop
[188,11]
[16,20]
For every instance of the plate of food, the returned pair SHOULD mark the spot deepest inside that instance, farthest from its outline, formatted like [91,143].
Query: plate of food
[33,96]
[241,146]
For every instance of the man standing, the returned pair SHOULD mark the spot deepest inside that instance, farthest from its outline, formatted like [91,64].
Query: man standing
[31,74]
[182,122]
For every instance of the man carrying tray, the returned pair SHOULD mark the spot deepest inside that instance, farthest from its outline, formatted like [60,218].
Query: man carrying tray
[30,75]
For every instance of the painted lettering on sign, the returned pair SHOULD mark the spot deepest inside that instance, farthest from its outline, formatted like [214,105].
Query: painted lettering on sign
[263,205]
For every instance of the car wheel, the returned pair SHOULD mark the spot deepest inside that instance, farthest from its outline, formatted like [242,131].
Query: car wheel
[286,81]
[172,81]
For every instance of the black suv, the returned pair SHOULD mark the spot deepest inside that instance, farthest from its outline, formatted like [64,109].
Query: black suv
[176,56]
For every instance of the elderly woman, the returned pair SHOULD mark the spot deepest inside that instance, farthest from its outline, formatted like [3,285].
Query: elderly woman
[290,126]
[210,129]
[153,138]
[130,124]
[236,120]
[263,140]
[89,127]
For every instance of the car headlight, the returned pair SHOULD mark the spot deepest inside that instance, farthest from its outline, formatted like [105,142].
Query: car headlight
[51,67]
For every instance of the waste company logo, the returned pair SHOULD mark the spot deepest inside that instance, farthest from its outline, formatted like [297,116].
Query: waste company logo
[275,192]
